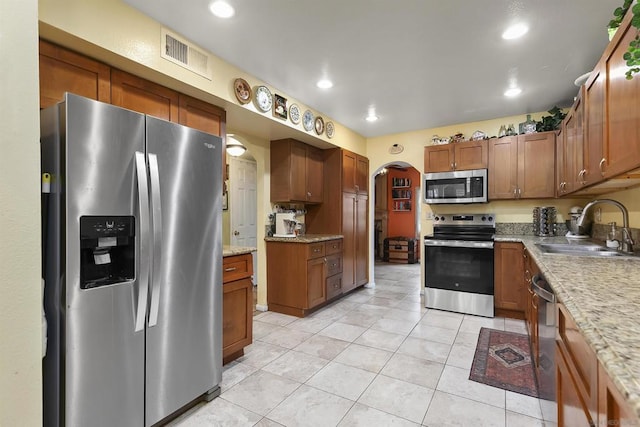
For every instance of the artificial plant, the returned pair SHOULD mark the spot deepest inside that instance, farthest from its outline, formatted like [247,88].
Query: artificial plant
[632,55]
[551,122]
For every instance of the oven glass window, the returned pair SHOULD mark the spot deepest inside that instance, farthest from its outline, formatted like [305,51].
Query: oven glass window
[459,269]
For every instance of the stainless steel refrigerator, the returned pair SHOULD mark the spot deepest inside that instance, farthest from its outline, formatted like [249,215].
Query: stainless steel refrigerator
[132,254]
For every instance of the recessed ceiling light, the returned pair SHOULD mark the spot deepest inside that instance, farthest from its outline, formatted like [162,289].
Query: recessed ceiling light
[221,9]
[514,91]
[324,84]
[371,118]
[515,31]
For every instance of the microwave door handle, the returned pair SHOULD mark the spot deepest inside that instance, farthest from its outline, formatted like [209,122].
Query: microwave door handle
[156,212]
[145,250]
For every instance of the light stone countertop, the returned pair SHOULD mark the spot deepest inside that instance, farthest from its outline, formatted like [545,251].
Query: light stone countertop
[307,238]
[603,297]
[228,250]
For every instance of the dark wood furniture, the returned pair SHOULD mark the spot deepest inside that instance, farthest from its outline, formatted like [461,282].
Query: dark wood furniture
[301,277]
[237,305]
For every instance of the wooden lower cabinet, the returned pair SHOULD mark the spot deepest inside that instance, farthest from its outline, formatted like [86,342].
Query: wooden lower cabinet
[301,277]
[237,305]
[572,410]
[508,273]
[612,408]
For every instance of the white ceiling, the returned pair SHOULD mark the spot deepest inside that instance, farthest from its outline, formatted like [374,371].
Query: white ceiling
[419,63]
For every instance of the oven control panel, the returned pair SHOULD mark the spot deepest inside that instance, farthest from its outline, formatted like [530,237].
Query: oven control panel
[465,219]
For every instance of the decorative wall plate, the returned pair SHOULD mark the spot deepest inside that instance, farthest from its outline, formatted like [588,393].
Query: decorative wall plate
[307,120]
[242,90]
[294,113]
[263,98]
[330,129]
[319,125]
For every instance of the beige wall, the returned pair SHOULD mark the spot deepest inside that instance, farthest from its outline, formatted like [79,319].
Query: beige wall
[20,284]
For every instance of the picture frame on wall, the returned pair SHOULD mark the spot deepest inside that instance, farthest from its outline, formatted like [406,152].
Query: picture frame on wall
[280,107]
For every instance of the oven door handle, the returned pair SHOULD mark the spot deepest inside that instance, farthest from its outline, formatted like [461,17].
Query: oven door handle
[459,244]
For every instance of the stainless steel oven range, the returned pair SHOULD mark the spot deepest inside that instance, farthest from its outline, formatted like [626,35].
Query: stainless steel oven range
[459,264]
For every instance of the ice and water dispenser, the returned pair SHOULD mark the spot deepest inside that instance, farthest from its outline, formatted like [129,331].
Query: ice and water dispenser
[107,250]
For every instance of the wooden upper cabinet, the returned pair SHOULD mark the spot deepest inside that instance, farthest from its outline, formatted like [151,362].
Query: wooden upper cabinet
[522,166]
[569,148]
[592,171]
[64,71]
[536,165]
[201,115]
[503,168]
[621,150]
[456,156]
[137,94]
[296,172]
[355,173]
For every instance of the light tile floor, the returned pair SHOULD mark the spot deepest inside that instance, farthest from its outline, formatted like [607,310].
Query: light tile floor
[374,358]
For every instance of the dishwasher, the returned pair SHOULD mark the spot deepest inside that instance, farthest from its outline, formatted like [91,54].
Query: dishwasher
[546,367]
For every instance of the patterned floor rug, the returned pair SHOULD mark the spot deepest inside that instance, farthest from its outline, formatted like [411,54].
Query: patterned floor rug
[503,359]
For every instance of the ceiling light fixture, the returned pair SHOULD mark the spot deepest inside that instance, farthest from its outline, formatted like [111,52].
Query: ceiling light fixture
[515,31]
[222,9]
[324,84]
[235,147]
[514,91]
[371,118]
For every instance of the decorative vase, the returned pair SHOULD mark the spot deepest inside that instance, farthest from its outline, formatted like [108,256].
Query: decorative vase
[529,126]
[502,132]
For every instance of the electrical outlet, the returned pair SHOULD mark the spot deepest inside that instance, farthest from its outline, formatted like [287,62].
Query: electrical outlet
[598,215]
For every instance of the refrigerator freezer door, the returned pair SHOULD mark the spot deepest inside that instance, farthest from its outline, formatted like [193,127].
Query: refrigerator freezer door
[104,357]
[184,346]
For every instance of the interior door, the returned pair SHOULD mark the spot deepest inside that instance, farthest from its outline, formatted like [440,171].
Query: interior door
[243,208]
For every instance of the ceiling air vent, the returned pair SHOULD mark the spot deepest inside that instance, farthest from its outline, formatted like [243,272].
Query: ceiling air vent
[178,50]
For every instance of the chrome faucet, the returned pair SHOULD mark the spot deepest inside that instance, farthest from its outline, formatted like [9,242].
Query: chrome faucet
[627,241]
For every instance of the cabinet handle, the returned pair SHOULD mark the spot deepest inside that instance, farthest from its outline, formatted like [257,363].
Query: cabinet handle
[336,286]
[357,187]
[515,193]
[602,162]
[308,194]
[316,250]
[325,260]
[230,269]
[519,192]
[452,166]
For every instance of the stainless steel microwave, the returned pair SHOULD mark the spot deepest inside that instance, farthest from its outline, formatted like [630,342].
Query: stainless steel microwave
[468,186]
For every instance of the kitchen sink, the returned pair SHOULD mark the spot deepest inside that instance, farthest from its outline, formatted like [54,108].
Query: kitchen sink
[582,249]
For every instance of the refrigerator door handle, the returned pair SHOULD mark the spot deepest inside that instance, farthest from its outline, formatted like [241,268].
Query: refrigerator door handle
[156,217]
[143,205]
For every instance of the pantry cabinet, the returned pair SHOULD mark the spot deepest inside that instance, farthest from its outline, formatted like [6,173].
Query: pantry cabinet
[296,172]
[355,173]
[345,213]
[237,305]
[522,167]
[301,276]
[508,273]
[456,156]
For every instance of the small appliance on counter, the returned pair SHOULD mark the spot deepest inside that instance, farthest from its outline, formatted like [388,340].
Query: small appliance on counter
[285,224]
[575,231]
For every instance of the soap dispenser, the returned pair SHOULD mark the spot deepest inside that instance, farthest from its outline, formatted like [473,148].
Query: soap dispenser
[612,242]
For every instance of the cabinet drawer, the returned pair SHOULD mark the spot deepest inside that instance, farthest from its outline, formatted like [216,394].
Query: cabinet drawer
[236,267]
[334,265]
[315,250]
[581,359]
[334,286]
[333,247]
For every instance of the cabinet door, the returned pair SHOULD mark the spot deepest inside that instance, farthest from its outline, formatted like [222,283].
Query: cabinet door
[536,165]
[64,71]
[438,158]
[508,272]
[470,155]
[622,144]
[237,315]
[571,409]
[349,241]
[362,175]
[561,159]
[613,410]
[573,150]
[362,240]
[314,175]
[137,94]
[595,125]
[349,168]
[503,168]
[298,172]
[316,286]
